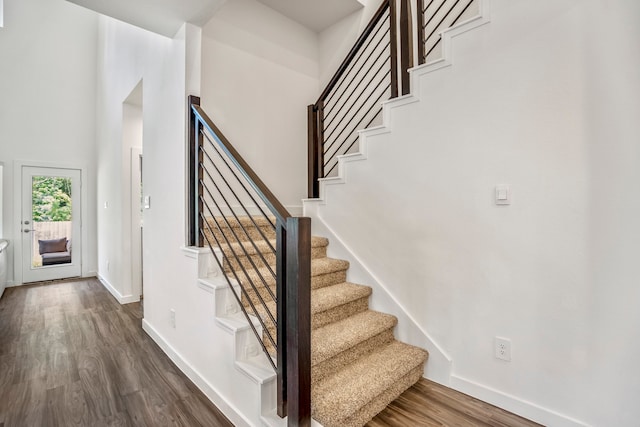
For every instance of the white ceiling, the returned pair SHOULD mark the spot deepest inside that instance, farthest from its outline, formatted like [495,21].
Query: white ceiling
[314,14]
[167,16]
[160,16]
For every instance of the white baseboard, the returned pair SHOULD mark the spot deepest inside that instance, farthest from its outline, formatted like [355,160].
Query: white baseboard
[529,410]
[122,299]
[227,409]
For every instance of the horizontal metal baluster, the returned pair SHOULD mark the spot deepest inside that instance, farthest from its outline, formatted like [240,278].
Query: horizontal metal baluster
[353,90]
[434,14]
[237,238]
[381,23]
[247,276]
[354,141]
[428,6]
[437,27]
[233,291]
[244,208]
[363,117]
[365,127]
[241,266]
[379,84]
[329,110]
[240,181]
[348,113]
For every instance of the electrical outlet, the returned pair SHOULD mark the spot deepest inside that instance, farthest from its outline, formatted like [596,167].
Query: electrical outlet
[172,313]
[108,265]
[503,348]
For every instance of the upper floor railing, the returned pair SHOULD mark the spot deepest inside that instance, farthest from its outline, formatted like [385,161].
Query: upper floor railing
[376,69]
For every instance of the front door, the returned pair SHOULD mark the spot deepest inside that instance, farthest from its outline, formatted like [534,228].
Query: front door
[50,223]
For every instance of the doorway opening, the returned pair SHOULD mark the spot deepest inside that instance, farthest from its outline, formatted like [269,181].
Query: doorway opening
[132,136]
[51,225]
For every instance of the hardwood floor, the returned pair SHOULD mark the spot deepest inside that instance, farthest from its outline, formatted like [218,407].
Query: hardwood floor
[430,404]
[71,355]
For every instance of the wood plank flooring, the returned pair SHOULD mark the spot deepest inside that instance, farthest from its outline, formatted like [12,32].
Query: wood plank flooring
[71,355]
[428,404]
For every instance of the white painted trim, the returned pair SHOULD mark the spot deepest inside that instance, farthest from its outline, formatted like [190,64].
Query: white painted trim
[524,408]
[193,251]
[122,299]
[209,390]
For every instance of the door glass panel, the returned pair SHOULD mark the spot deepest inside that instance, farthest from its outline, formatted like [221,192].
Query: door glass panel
[51,202]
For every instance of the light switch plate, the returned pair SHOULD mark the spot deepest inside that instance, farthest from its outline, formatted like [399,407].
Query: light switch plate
[503,195]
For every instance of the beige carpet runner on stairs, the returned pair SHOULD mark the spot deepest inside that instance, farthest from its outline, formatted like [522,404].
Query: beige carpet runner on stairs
[358,367]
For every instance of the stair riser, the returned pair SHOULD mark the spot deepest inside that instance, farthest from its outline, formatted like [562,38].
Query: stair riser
[331,365]
[341,312]
[239,235]
[316,282]
[334,315]
[374,407]
[269,257]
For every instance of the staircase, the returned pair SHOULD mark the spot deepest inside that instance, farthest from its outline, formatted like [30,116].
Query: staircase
[358,367]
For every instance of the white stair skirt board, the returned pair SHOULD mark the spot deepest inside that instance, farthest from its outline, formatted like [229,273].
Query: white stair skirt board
[249,360]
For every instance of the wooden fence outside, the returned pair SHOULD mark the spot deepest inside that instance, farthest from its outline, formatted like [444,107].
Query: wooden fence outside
[46,231]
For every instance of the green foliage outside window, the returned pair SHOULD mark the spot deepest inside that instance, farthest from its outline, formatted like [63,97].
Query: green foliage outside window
[51,199]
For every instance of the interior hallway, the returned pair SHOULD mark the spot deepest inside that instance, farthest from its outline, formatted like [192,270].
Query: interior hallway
[71,355]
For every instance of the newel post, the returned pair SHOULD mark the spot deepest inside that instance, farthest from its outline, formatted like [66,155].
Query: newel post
[298,321]
[406,45]
[195,175]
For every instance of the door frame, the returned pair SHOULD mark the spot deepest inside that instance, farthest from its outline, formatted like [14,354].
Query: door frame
[137,270]
[17,213]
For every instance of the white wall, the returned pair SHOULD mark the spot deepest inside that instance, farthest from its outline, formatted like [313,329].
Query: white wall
[128,55]
[168,68]
[544,99]
[259,73]
[337,40]
[47,104]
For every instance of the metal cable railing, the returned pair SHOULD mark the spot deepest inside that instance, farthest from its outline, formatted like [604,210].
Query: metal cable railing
[264,252]
[434,17]
[374,71]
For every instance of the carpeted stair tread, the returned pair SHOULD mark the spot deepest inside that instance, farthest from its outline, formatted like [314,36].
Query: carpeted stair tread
[326,298]
[346,392]
[335,338]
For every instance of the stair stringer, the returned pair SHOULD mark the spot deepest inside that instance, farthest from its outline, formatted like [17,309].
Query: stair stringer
[440,365]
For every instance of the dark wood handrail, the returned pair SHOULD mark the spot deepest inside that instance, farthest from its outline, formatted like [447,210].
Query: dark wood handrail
[292,260]
[254,180]
[354,50]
